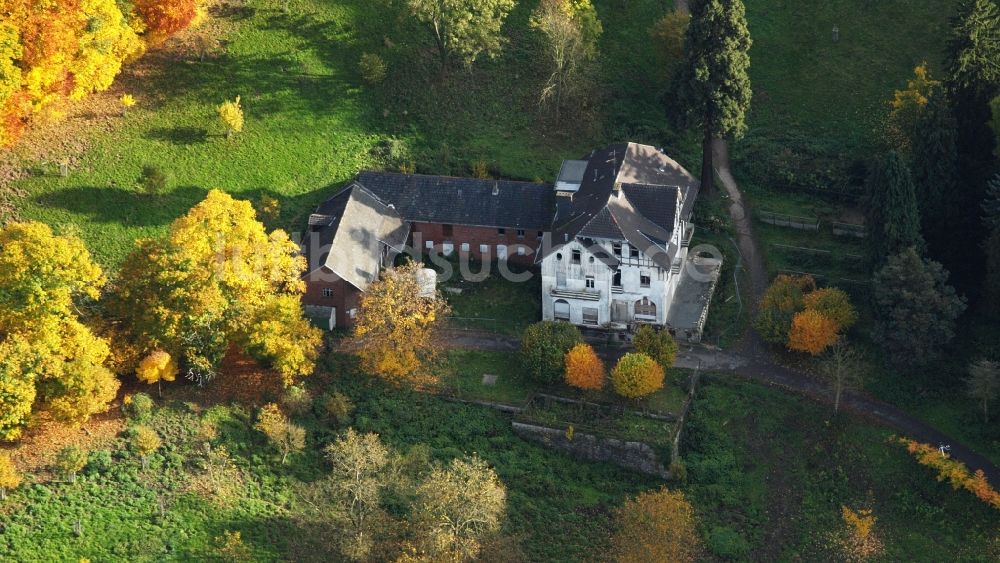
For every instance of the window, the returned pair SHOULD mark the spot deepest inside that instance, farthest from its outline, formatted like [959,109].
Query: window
[521,250]
[446,230]
[616,248]
[645,307]
[429,244]
[327,292]
[590,282]
[558,255]
[591,259]
[484,249]
[560,310]
[465,247]
[501,231]
[353,313]
[617,279]
[633,252]
[590,315]
[520,233]
[576,257]
[643,280]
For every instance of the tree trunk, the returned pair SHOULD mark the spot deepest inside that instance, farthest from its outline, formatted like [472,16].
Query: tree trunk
[836,396]
[3,493]
[707,171]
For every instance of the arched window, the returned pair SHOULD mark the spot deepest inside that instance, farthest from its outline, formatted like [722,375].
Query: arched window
[645,307]
[561,310]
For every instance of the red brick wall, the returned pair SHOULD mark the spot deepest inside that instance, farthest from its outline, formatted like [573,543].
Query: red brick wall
[476,236]
[345,296]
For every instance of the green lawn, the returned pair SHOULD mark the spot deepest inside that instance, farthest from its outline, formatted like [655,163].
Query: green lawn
[495,304]
[769,471]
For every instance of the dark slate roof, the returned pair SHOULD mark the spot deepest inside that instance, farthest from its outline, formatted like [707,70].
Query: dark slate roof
[643,209]
[347,233]
[464,201]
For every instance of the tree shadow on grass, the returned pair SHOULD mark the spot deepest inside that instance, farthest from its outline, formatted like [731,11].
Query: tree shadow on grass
[179,135]
[116,205]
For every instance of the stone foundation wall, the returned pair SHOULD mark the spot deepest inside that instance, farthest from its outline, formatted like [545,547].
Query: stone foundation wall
[636,456]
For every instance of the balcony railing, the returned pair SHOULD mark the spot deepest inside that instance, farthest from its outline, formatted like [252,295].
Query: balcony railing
[585,294]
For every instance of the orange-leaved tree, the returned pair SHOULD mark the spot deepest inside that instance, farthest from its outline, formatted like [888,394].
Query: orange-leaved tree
[812,332]
[584,370]
[396,325]
[779,304]
[163,18]
[656,526]
[637,375]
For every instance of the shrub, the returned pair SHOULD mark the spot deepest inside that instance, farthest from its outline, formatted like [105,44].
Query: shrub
[544,346]
[658,345]
[146,441]
[284,435]
[69,461]
[100,462]
[157,366]
[10,477]
[297,400]
[231,116]
[834,304]
[779,304]
[153,180]
[480,169]
[656,526]
[584,370]
[637,375]
[338,407]
[138,407]
[372,67]
[812,332]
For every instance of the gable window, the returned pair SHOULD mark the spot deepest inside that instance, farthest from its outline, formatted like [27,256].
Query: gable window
[643,279]
[327,292]
[520,233]
[446,230]
[576,257]
[616,248]
[590,282]
[633,252]
[501,231]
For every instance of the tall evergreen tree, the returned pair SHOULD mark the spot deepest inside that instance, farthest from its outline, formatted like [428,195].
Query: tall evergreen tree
[935,170]
[712,88]
[916,308]
[892,218]
[991,204]
[991,282]
[974,47]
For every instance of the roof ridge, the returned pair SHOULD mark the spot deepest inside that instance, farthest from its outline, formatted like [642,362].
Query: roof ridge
[449,177]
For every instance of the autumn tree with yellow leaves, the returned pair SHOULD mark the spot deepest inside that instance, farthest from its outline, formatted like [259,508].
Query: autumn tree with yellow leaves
[156,367]
[231,116]
[217,280]
[396,324]
[48,358]
[10,477]
[656,526]
[637,375]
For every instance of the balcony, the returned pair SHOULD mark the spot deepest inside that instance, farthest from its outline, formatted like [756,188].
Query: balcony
[617,289]
[687,235]
[584,294]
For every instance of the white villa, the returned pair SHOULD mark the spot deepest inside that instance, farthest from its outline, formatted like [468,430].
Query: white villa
[618,254]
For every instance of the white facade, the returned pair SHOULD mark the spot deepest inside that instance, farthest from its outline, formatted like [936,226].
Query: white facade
[579,287]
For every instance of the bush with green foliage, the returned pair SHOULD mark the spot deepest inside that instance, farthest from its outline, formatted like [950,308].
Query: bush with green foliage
[153,180]
[69,461]
[338,407]
[138,406]
[544,346]
[373,68]
[657,344]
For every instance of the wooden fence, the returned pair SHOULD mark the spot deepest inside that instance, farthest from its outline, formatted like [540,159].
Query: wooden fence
[811,224]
